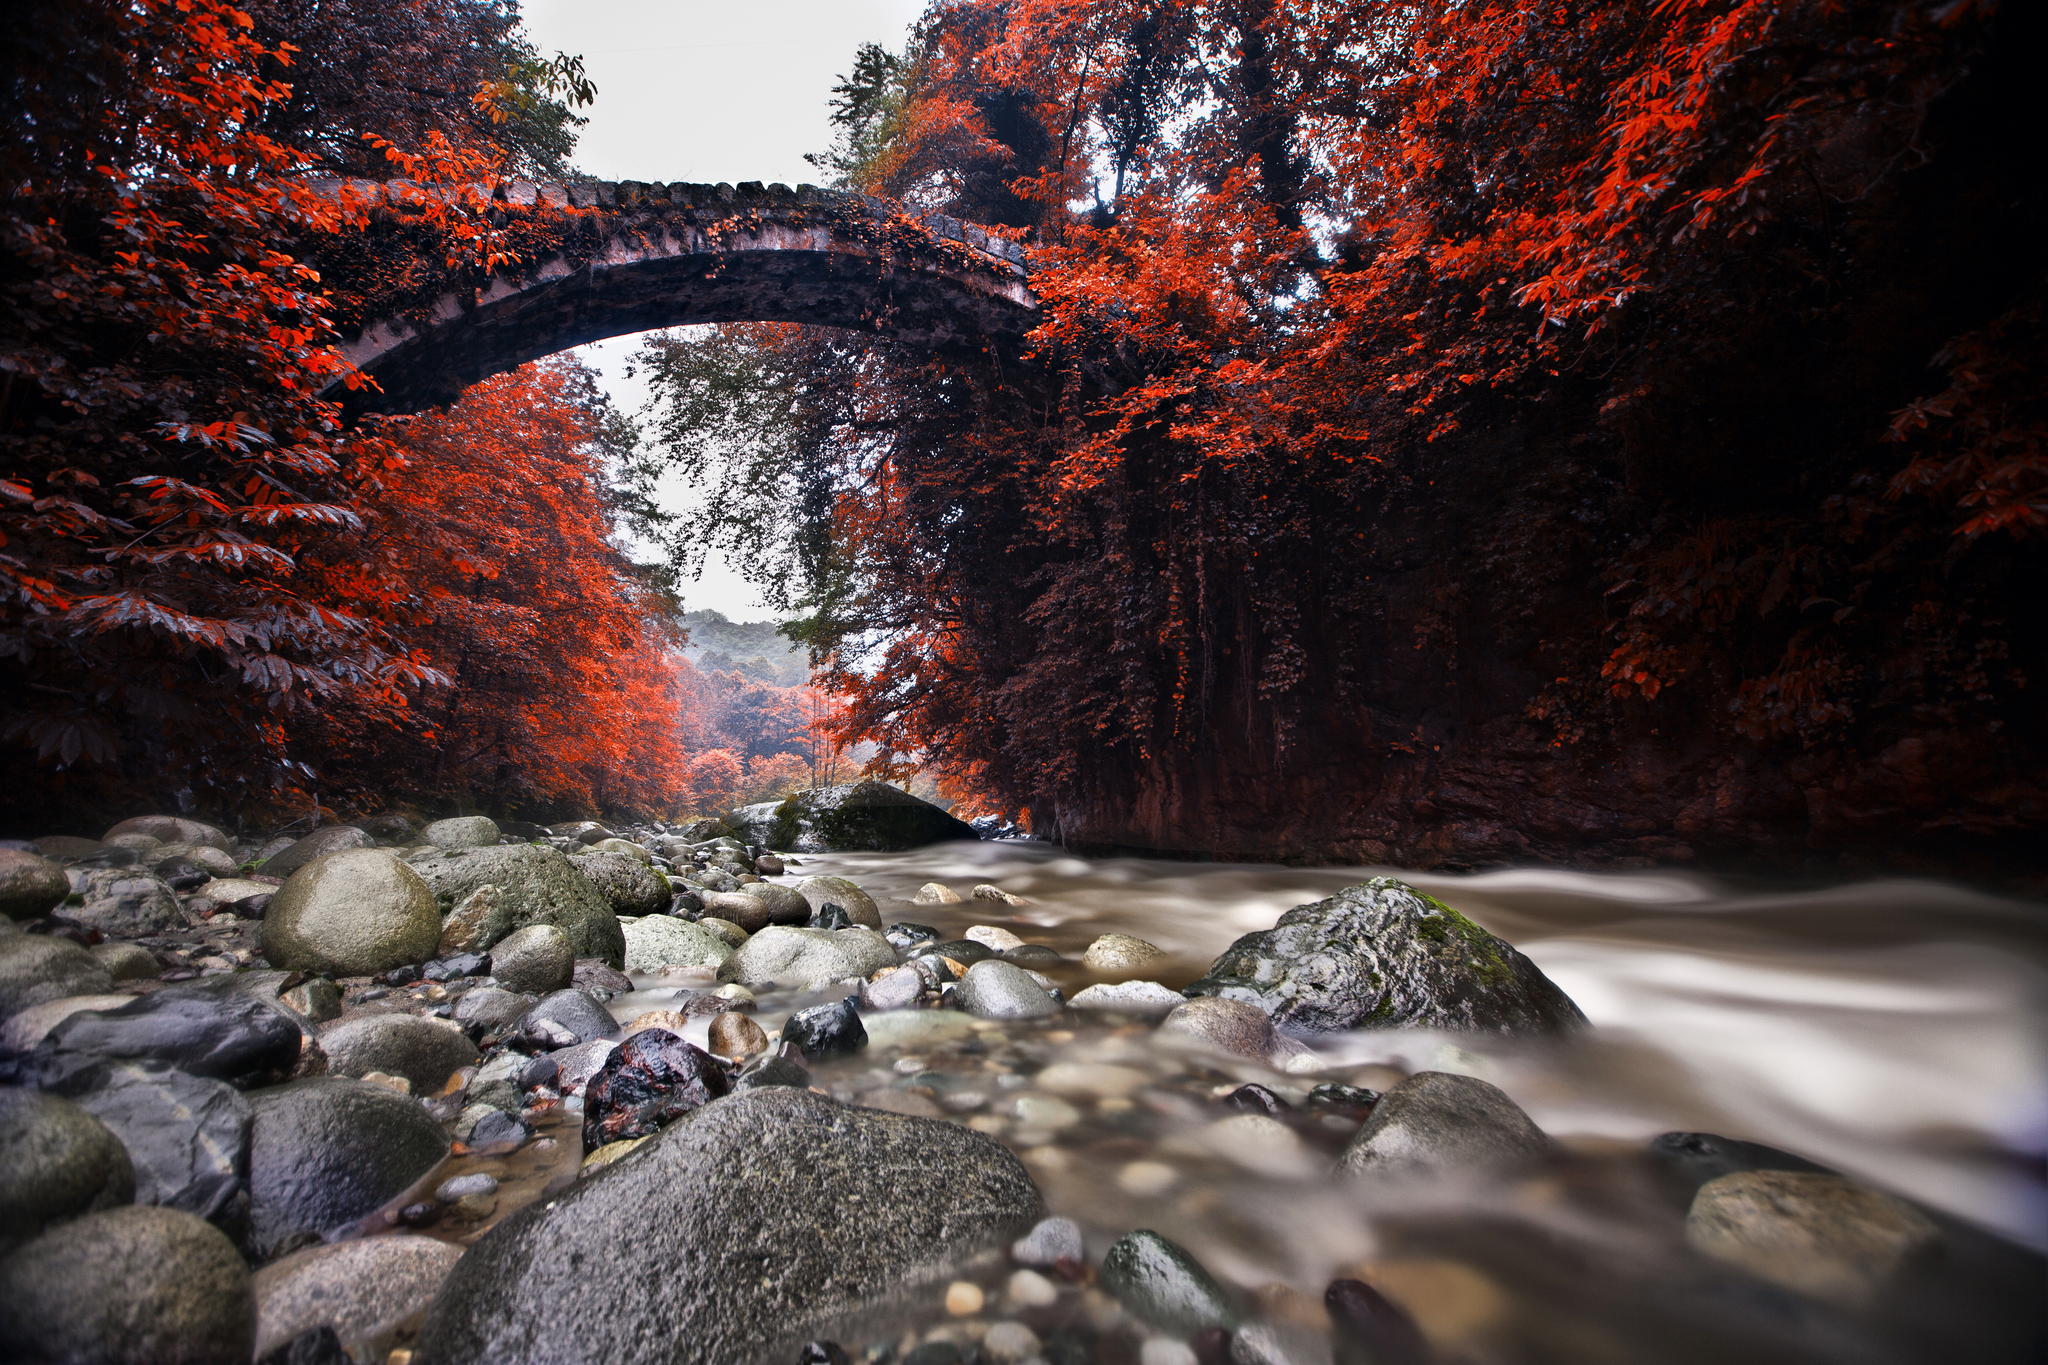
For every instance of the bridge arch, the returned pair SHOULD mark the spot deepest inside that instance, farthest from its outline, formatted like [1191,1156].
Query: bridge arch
[626,256]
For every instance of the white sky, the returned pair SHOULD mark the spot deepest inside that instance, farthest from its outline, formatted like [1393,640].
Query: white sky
[701,90]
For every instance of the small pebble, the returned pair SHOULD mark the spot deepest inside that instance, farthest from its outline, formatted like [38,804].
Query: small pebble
[1029,1289]
[1146,1179]
[1009,1342]
[963,1299]
[1049,1242]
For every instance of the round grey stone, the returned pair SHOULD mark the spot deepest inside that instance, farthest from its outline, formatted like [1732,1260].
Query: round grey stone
[325,1152]
[629,885]
[572,1015]
[1048,1243]
[34,968]
[1160,1282]
[538,958]
[463,831]
[663,941]
[1230,1026]
[859,906]
[122,902]
[128,1286]
[363,1289]
[1147,999]
[126,961]
[1003,990]
[30,885]
[56,1161]
[1438,1121]
[807,958]
[1120,953]
[763,1220]
[353,913]
[424,1051]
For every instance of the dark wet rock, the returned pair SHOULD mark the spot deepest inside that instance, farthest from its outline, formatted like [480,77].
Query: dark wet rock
[333,839]
[1687,1161]
[826,1031]
[648,1081]
[1257,1099]
[127,1286]
[905,935]
[172,829]
[315,1346]
[362,1290]
[1051,1242]
[785,905]
[536,885]
[122,902]
[568,1017]
[1373,1327]
[830,916]
[1003,990]
[426,1052]
[660,941]
[782,1067]
[964,951]
[738,1263]
[325,1152]
[845,893]
[823,1353]
[354,913]
[539,958]
[1350,1101]
[457,966]
[187,1137]
[498,1130]
[735,1036]
[1159,1282]
[1816,1234]
[225,1035]
[1032,955]
[1439,1122]
[399,976]
[1384,955]
[30,885]
[462,831]
[20,1033]
[857,816]
[807,958]
[627,883]
[56,1162]
[1231,1026]
[1145,999]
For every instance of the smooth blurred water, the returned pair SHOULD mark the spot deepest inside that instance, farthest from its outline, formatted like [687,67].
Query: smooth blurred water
[1891,1029]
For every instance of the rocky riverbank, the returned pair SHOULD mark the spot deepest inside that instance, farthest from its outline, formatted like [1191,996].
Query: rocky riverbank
[483,1092]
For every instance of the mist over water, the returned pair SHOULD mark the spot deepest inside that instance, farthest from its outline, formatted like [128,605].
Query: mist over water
[1891,1029]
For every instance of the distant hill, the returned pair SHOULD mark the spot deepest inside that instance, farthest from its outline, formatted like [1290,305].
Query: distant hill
[752,648]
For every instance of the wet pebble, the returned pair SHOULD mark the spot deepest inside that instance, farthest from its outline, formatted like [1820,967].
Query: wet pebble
[827,1030]
[1050,1241]
[1001,990]
[736,1036]
[1158,1281]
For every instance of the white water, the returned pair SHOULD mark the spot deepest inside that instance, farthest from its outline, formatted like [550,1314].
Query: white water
[1890,1029]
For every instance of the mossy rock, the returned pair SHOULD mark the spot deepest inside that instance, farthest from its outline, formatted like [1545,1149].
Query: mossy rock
[852,817]
[1384,955]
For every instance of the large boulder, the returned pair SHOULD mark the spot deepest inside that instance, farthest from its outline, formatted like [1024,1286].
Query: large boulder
[172,829]
[763,1220]
[1384,955]
[853,816]
[860,908]
[629,885]
[318,844]
[363,1290]
[325,1152]
[663,941]
[806,958]
[34,968]
[536,885]
[462,831]
[354,913]
[30,885]
[56,1162]
[128,1286]
[121,902]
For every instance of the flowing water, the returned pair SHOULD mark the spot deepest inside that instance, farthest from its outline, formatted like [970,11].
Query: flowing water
[1890,1030]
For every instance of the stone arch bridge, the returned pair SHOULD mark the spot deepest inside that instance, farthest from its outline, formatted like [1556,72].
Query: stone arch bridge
[610,258]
